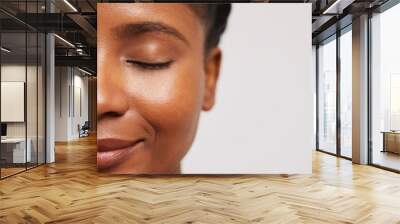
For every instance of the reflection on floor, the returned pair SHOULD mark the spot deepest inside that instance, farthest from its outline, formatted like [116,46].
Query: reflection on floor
[72,191]
[346,152]
[10,171]
[13,169]
[387,159]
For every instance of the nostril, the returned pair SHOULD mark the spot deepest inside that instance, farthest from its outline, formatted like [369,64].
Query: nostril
[113,114]
[110,114]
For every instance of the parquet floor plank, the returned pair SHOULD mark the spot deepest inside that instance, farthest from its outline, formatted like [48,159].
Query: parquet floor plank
[72,191]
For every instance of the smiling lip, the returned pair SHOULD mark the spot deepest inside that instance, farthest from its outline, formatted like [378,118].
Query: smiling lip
[112,151]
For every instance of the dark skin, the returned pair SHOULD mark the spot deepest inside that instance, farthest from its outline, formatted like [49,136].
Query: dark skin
[154,78]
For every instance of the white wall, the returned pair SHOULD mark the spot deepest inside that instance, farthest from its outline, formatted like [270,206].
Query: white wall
[263,118]
[69,82]
[13,100]
[14,73]
[80,83]
[61,103]
[80,100]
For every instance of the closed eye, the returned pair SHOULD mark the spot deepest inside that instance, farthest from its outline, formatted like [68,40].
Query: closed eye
[150,66]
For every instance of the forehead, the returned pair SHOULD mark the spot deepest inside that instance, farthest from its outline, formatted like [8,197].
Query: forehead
[179,16]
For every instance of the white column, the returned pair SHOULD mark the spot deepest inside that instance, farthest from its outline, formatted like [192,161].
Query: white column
[360,90]
[50,92]
[50,99]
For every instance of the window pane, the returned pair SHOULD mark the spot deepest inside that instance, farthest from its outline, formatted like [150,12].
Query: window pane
[346,94]
[327,97]
[32,86]
[31,97]
[22,88]
[386,88]
[14,153]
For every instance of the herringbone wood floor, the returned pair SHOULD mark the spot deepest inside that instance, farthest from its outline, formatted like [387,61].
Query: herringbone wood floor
[71,191]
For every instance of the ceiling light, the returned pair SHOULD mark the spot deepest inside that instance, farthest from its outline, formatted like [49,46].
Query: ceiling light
[70,5]
[326,11]
[338,6]
[5,50]
[84,71]
[65,41]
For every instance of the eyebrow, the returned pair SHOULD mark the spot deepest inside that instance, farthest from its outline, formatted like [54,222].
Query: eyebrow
[132,29]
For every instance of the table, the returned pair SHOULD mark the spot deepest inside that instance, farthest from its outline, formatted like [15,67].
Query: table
[391,141]
[13,150]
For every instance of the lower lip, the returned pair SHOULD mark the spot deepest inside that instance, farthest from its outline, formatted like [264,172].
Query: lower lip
[111,158]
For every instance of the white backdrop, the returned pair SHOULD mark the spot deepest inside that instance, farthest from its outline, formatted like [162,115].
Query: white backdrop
[263,118]
[12,101]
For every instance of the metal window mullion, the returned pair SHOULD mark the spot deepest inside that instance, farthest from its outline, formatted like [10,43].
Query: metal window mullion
[369,91]
[37,91]
[45,94]
[338,98]
[0,95]
[317,96]
[73,92]
[26,87]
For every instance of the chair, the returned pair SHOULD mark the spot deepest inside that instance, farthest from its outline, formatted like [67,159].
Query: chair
[84,130]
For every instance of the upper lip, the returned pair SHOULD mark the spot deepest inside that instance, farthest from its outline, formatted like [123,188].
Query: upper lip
[109,144]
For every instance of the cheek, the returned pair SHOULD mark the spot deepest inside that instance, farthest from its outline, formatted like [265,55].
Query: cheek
[169,99]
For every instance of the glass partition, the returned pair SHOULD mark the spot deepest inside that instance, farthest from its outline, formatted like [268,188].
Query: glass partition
[335,94]
[31,100]
[385,89]
[13,110]
[22,90]
[346,93]
[327,96]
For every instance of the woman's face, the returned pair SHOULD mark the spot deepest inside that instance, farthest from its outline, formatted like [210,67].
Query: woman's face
[153,80]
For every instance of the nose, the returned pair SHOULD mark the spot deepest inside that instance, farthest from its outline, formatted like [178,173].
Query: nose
[111,98]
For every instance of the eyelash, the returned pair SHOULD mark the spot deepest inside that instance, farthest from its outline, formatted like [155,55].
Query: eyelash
[150,66]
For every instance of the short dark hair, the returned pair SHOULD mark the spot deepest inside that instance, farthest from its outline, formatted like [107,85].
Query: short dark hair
[215,19]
